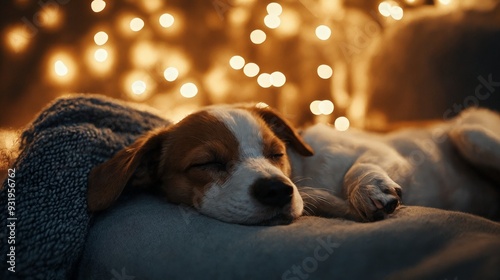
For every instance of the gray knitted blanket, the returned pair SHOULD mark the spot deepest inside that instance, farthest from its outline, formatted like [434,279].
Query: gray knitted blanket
[44,213]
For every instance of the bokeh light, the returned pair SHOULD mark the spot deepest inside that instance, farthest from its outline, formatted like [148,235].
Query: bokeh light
[138,87]
[101,55]
[323,32]
[274,9]
[166,20]
[325,71]
[278,79]
[189,90]
[342,124]
[60,68]
[314,107]
[258,36]
[100,38]
[98,6]
[136,24]
[237,62]
[18,38]
[272,21]
[326,107]
[251,69]
[264,80]
[171,74]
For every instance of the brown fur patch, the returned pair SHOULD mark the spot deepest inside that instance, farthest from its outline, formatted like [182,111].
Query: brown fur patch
[200,150]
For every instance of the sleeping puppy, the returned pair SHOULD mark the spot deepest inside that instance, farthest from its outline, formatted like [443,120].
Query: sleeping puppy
[452,165]
[228,162]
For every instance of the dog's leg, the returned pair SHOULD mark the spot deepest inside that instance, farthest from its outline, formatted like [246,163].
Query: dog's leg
[476,134]
[371,193]
[319,202]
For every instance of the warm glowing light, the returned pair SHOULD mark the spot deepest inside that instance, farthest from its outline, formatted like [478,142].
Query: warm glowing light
[390,9]
[325,71]
[444,2]
[237,62]
[326,107]
[171,74]
[264,80]
[251,69]
[257,36]
[384,8]
[98,5]
[136,24]
[18,38]
[323,32]
[166,20]
[397,12]
[314,107]
[272,21]
[60,68]
[291,23]
[50,16]
[342,124]
[278,79]
[145,54]
[100,38]
[274,9]
[101,55]
[189,90]
[138,87]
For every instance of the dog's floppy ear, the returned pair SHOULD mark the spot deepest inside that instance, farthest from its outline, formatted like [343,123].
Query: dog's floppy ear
[284,130]
[139,160]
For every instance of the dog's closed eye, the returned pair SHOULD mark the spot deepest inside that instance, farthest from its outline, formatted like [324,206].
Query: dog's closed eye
[215,165]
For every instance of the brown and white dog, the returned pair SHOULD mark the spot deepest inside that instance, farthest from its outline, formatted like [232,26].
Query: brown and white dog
[229,162]
[236,164]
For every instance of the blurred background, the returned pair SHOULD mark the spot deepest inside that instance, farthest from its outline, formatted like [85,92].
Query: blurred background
[351,63]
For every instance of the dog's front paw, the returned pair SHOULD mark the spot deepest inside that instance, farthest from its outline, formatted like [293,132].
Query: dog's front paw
[372,199]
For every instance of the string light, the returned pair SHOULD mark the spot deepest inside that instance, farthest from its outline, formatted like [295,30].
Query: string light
[278,79]
[314,107]
[18,38]
[101,55]
[237,62]
[342,124]
[391,9]
[171,74]
[444,2]
[166,20]
[274,9]
[325,71]
[138,87]
[272,21]
[323,32]
[98,6]
[100,38]
[50,17]
[397,12]
[60,68]
[257,36]
[251,69]
[264,80]
[189,90]
[326,107]
[136,24]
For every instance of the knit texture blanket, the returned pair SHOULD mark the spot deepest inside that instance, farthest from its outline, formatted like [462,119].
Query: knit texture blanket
[44,230]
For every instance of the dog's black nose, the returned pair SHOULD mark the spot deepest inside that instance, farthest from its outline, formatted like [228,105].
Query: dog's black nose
[272,192]
[391,205]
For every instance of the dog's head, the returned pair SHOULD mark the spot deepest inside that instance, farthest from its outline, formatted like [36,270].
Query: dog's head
[229,162]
